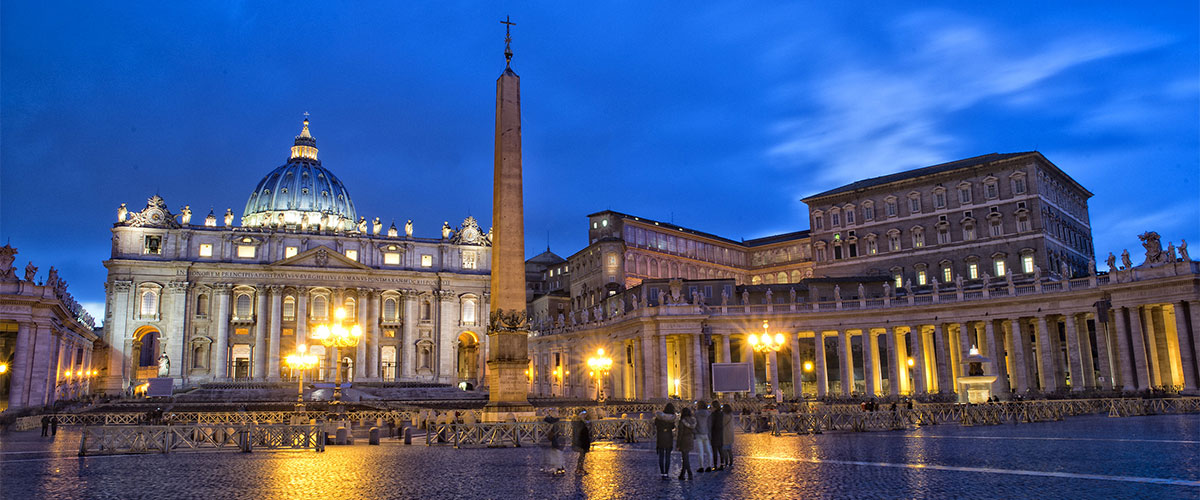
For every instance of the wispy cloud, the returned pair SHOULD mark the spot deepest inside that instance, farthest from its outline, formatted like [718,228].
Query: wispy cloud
[96,309]
[871,120]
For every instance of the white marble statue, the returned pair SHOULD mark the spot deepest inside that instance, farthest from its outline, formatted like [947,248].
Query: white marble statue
[164,365]
[122,213]
[185,215]
[408,228]
[362,225]
[446,230]
[837,293]
[862,292]
[1126,263]
[1183,253]
[228,217]
[1111,261]
[391,232]
[376,226]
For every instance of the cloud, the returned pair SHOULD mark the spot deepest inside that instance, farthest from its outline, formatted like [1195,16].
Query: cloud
[96,309]
[866,120]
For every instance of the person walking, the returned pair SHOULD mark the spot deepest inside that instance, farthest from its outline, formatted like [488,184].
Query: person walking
[703,443]
[45,425]
[717,434]
[581,440]
[664,424]
[554,454]
[727,437]
[685,439]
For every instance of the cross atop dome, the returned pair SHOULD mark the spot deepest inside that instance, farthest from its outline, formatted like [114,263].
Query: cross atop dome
[306,145]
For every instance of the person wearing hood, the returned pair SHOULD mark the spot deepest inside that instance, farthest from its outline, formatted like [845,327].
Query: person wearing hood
[581,440]
[717,434]
[664,424]
[554,454]
[685,439]
[703,444]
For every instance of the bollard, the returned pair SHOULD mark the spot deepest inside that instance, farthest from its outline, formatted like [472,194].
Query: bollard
[244,440]
[373,436]
[341,435]
[408,435]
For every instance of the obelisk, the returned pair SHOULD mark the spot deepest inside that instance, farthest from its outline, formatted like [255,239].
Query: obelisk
[508,327]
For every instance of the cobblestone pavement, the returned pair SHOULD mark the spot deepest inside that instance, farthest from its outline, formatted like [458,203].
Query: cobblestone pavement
[1081,457]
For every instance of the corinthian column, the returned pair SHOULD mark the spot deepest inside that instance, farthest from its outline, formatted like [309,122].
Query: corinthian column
[276,326]
[260,332]
[222,291]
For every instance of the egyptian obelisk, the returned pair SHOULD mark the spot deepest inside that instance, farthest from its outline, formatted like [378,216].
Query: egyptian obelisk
[508,328]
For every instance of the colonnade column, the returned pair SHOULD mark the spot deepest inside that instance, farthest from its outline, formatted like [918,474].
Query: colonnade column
[945,376]
[276,329]
[870,363]
[845,362]
[1123,351]
[1001,385]
[893,361]
[1046,355]
[748,357]
[260,333]
[821,369]
[663,361]
[797,366]
[1105,352]
[699,361]
[18,395]
[1141,365]
[1193,312]
[372,320]
[1074,353]
[1183,339]
[649,372]
[1085,351]
[918,347]
[222,291]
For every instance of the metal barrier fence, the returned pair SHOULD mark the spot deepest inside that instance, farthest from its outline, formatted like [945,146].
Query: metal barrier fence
[116,439]
[495,434]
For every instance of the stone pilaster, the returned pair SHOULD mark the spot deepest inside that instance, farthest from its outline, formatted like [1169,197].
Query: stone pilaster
[407,355]
[222,291]
[275,321]
[371,323]
[175,336]
[260,333]
[1184,338]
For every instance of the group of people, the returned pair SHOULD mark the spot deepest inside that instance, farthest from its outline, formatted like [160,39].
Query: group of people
[49,425]
[708,432]
[581,442]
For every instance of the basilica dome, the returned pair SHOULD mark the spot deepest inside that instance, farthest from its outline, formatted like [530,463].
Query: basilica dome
[301,193]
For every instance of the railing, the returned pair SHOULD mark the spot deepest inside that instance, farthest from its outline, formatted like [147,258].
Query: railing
[175,438]
[495,434]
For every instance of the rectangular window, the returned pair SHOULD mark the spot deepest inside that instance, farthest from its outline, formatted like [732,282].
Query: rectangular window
[964,195]
[246,251]
[1023,224]
[899,279]
[352,255]
[391,258]
[943,236]
[153,245]
[891,208]
[242,331]
[996,228]
[968,233]
[818,222]
[1027,264]
[947,276]
[426,260]
[918,239]
[389,333]
[850,217]
[973,271]
[939,199]
[1000,268]
[1019,185]
[290,252]
[869,212]
[836,218]
[921,277]
[914,205]
[894,243]
[206,249]
[872,247]
[990,190]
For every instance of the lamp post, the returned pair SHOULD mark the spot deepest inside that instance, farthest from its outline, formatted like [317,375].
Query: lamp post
[301,360]
[337,336]
[600,365]
[767,344]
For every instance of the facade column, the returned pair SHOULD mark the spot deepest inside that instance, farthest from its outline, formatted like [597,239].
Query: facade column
[1193,311]
[772,372]
[797,366]
[650,377]
[821,369]
[870,363]
[998,366]
[918,352]
[302,315]
[408,347]
[115,379]
[177,327]
[845,362]
[1183,338]
[1085,351]
[664,362]
[361,318]
[726,350]
[1046,354]
[699,367]
[748,357]
[18,392]
[275,313]
[260,333]
[1123,351]
[372,325]
[1150,337]
[1074,353]
[1140,365]
[894,362]
[43,371]
[1104,353]
[222,293]
[945,376]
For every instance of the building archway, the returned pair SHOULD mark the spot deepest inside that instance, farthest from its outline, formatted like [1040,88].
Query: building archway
[144,352]
[468,358]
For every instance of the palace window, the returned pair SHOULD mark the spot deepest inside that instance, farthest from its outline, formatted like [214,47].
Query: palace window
[990,190]
[894,242]
[1018,185]
[1001,269]
[245,251]
[872,246]
[943,235]
[972,270]
[914,204]
[898,278]
[153,245]
[243,305]
[426,260]
[891,208]
[468,312]
[939,199]
[996,228]
[818,222]
[964,194]
[969,232]
[202,305]
[290,252]
[352,255]
[820,254]
[921,277]
[918,237]
[206,249]
[947,274]
[1027,263]
[391,258]
[320,308]
[869,211]
[849,216]
[389,309]
[1023,224]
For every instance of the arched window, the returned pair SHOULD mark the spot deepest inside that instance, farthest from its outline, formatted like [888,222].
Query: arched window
[320,309]
[468,312]
[149,303]
[202,305]
[289,307]
[243,306]
[350,309]
[782,277]
[426,310]
[389,309]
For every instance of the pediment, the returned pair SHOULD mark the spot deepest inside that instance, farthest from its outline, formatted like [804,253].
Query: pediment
[322,257]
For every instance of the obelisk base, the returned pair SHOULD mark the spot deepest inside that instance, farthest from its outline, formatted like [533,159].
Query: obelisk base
[508,393]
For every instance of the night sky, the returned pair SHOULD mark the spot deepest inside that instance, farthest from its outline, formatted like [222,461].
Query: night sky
[719,116]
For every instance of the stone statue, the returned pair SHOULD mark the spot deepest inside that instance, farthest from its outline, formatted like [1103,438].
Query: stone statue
[585,315]
[1171,252]
[561,321]
[958,282]
[408,228]
[376,226]
[769,296]
[1037,273]
[211,220]
[745,297]
[52,277]
[837,293]
[362,225]
[599,314]
[1008,277]
[392,230]
[862,291]
[164,365]
[6,259]
[30,272]
[446,230]
[1153,246]
[724,297]
[185,215]
[122,213]
[1091,267]
[1125,262]
[633,301]
[228,217]
[987,280]
[934,282]
[887,289]
[1183,254]
[698,297]
[792,295]
[279,221]
[1111,261]
[1064,270]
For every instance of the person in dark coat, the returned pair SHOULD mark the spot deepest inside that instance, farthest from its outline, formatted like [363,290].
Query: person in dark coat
[727,437]
[53,426]
[685,435]
[554,455]
[664,424]
[716,421]
[581,439]
[45,425]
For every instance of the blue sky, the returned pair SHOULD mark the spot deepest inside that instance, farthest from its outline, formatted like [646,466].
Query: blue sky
[717,116]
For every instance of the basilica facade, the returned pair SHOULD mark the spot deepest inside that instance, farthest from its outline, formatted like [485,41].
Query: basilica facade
[208,300]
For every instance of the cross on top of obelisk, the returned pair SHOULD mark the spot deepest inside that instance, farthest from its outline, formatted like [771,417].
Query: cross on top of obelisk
[507,22]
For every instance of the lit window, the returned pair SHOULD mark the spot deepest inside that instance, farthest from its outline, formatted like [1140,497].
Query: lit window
[149,303]
[426,260]
[290,252]
[899,280]
[872,247]
[921,277]
[1027,263]
[389,333]
[893,242]
[969,232]
[918,238]
[391,258]
[468,312]
[206,249]
[947,276]
[1000,269]
[973,271]
[352,255]
[604,223]
[245,251]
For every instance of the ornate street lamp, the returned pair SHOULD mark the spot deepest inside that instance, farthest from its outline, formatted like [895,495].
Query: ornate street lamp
[766,344]
[336,335]
[600,365]
[301,360]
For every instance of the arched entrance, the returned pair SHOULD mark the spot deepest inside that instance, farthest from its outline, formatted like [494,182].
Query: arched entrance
[144,353]
[468,359]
